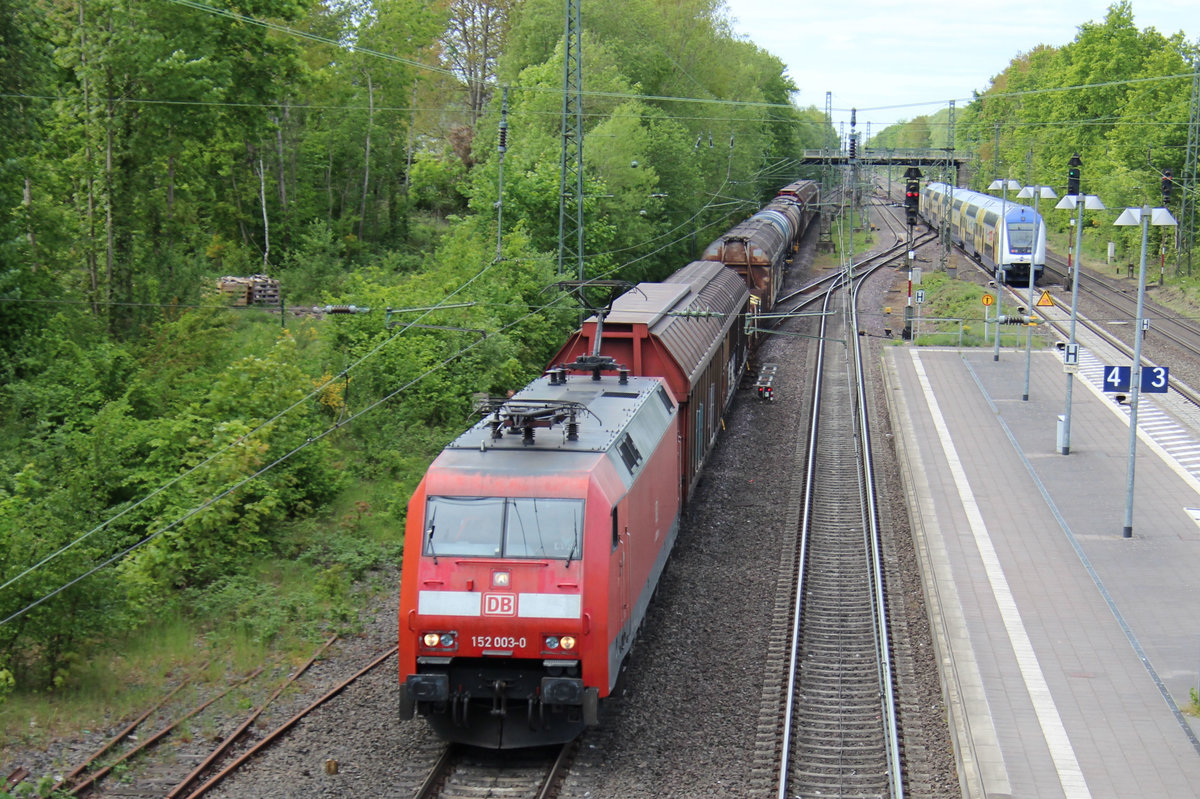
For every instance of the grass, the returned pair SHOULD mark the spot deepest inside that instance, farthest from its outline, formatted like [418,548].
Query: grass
[275,610]
[862,241]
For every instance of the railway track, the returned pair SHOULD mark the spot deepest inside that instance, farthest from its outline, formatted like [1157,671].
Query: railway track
[1111,311]
[465,773]
[160,775]
[829,714]
[1166,324]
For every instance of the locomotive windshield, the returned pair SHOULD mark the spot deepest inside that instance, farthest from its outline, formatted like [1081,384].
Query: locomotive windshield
[1020,238]
[504,527]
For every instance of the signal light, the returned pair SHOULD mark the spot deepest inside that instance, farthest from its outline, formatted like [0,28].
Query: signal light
[1167,182]
[912,193]
[1073,174]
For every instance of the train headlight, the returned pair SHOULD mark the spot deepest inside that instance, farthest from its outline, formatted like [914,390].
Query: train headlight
[443,640]
[432,639]
[447,640]
[552,642]
[567,642]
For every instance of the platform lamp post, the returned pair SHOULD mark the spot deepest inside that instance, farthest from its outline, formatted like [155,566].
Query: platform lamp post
[1144,216]
[1076,202]
[1037,193]
[1003,185]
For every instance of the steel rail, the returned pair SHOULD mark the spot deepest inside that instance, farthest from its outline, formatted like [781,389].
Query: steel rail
[287,725]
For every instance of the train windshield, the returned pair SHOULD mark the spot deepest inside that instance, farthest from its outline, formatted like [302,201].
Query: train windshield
[1020,238]
[504,527]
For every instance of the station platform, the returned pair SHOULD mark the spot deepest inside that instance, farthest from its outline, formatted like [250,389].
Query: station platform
[1068,652]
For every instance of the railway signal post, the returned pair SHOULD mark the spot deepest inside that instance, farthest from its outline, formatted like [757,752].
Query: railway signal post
[1078,201]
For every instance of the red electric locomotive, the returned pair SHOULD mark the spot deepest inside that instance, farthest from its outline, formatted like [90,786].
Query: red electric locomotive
[536,539]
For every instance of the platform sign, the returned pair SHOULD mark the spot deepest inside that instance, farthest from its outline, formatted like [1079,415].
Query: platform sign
[1154,379]
[1117,378]
[1071,355]
[920,296]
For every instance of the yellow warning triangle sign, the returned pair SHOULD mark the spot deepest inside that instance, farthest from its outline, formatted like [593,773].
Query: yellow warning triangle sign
[1045,301]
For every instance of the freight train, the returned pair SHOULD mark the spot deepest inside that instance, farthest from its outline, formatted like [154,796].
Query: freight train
[998,232]
[536,539]
[758,248]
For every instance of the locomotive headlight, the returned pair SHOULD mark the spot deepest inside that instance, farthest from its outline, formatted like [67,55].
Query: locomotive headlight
[444,640]
[552,642]
[567,642]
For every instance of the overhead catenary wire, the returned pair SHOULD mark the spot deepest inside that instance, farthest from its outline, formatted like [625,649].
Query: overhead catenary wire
[664,98]
[309,442]
[316,391]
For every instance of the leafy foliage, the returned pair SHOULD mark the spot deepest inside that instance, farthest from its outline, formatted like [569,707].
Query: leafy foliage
[1116,95]
[203,450]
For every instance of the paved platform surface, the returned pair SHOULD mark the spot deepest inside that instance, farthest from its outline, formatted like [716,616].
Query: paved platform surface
[1068,652]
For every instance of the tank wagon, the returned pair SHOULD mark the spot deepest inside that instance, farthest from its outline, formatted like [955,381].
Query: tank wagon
[758,248]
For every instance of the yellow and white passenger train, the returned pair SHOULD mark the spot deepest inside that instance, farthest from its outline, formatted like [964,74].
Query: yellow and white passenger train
[996,231]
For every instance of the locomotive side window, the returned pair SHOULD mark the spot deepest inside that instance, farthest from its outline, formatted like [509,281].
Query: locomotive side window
[499,527]
[666,401]
[629,452]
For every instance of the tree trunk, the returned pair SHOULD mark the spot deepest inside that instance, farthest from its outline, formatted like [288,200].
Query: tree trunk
[108,195]
[362,208]
[283,201]
[329,186]
[170,214]
[89,243]
[27,201]
[262,194]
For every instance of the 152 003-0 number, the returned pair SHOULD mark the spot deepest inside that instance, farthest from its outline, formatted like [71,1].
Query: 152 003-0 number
[497,642]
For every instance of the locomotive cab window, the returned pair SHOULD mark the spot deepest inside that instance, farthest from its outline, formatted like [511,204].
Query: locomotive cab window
[1020,237]
[504,527]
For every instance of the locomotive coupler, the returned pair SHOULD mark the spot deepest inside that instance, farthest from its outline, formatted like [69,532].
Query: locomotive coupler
[460,705]
[499,698]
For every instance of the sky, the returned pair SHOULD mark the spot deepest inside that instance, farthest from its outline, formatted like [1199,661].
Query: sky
[895,60]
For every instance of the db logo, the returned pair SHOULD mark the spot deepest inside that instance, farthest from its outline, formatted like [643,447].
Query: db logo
[499,605]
